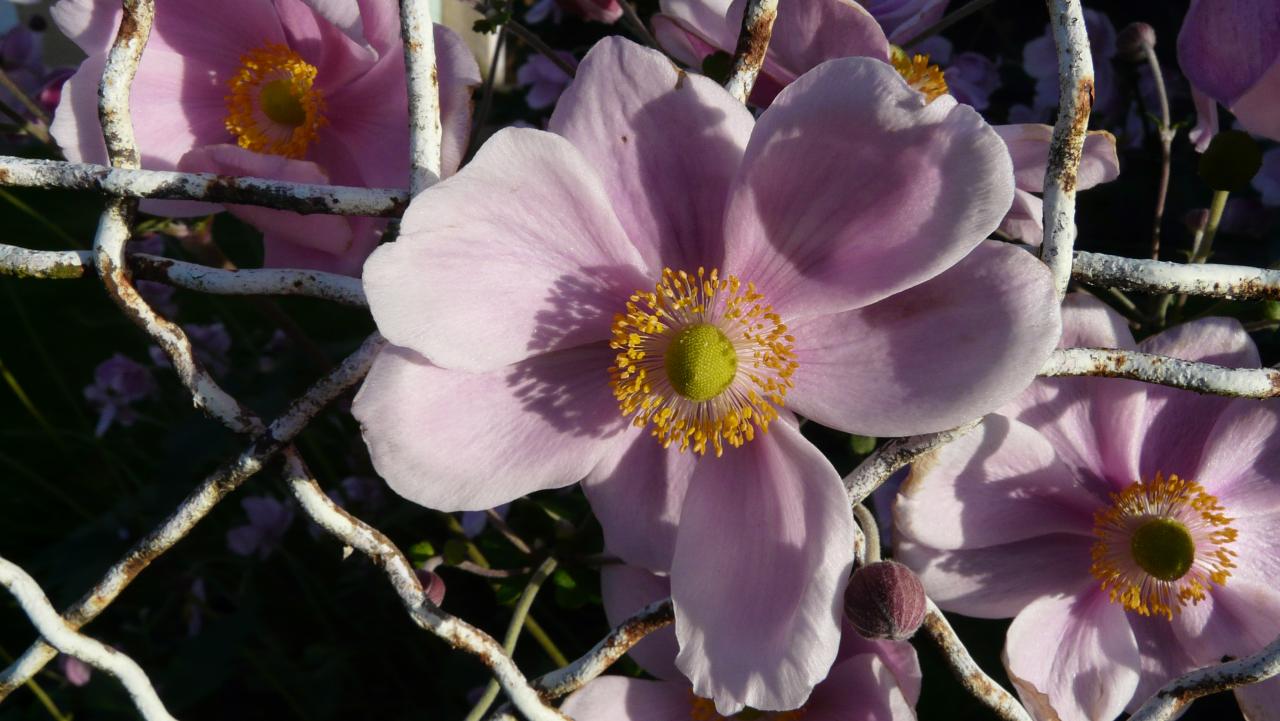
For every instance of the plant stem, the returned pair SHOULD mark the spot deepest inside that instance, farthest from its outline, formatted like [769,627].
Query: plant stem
[1167,133]
[518,617]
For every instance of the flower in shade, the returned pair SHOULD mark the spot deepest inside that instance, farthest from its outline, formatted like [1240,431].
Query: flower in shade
[1040,61]
[119,382]
[636,297]
[76,672]
[869,680]
[972,78]
[544,78]
[474,522]
[1132,531]
[1230,52]
[211,343]
[296,90]
[1267,180]
[902,20]
[809,33]
[268,519]
[805,34]
[544,10]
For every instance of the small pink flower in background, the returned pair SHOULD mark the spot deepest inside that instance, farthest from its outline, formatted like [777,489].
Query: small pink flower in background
[800,262]
[870,679]
[1040,61]
[600,11]
[211,343]
[1132,531]
[269,519]
[305,91]
[77,672]
[474,522]
[544,78]
[1230,52]
[119,382]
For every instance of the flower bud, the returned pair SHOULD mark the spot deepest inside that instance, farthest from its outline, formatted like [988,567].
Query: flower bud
[432,585]
[885,600]
[1133,41]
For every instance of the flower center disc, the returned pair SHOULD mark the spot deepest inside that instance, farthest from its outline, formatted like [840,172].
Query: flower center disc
[1164,548]
[701,362]
[281,104]
[272,106]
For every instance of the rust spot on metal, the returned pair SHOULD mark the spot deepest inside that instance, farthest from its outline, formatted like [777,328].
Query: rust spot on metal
[755,41]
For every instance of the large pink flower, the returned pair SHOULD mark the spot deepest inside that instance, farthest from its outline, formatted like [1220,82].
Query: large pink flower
[812,32]
[1230,52]
[871,680]
[1131,531]
[827,259]
[301,90]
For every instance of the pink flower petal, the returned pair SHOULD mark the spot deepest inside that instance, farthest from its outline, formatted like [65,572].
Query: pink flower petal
[899,656]
[327,233]
[1000,483]
[807,34]
[1178,422]
[999,581]
[877,371]
[366,139]
[1257,110]
[431,432]
[705,19]
[337,57]
[1090,422]
[637,494]
[517,254]
[1258,539]
[614,698]
[861,688]
[625,590]
[1025,218]
[1029,148]
[762,558]
[1206,120]
[666,145]
[1260,701]
[853,189]
[1163,656]
[1075,653]
[280,252]
[1226,70]
[1240,461]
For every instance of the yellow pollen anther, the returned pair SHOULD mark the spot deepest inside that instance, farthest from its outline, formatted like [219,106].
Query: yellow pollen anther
[1162,545]
[701,358]
[272,106]
[918,73]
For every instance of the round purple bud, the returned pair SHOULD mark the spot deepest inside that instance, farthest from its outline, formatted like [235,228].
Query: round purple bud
[885,600]
[1133,41]
[432,585]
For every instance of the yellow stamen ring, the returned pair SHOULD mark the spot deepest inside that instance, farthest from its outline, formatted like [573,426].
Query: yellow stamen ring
[919,74]
[703,359]
[1162,545]
[272,106]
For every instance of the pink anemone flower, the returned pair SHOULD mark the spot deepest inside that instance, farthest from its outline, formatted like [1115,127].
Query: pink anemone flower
[809,33]
[307,91]
[1230,52]
[1132,531]
[877,680]
[635,297]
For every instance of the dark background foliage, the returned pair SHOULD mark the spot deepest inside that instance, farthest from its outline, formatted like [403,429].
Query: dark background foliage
[302,633]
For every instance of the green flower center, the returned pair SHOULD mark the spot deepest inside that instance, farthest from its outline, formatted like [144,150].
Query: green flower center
[1163,548]
[700,362]
[281,104]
